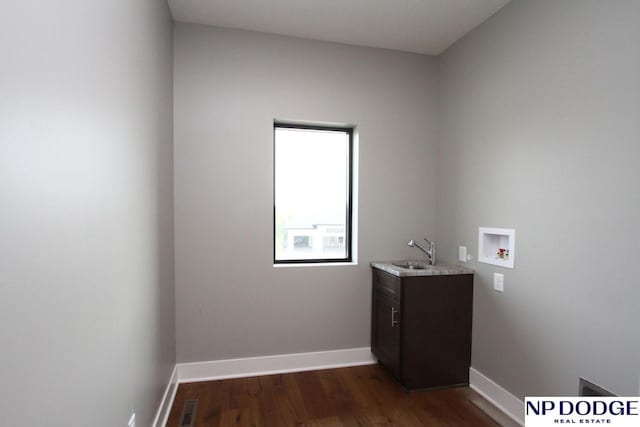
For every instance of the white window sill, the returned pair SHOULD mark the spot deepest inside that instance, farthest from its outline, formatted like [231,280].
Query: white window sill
[316,264]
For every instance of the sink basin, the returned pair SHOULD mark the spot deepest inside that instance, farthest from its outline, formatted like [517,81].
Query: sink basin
[412,265]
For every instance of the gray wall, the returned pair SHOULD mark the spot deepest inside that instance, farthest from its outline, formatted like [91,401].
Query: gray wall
[539,130]
[229,87]
[86,240]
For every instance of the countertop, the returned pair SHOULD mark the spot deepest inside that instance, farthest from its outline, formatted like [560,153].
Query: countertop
[430,270]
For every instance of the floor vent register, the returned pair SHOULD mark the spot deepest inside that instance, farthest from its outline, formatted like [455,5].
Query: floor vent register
[188,417]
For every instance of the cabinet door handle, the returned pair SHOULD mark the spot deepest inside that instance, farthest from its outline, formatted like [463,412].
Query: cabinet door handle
[394,322]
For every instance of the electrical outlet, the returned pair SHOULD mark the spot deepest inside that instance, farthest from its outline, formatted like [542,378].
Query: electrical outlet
[462,253]
[498,282]
[132,420]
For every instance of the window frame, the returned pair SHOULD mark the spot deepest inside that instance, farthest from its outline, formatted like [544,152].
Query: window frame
[349,201]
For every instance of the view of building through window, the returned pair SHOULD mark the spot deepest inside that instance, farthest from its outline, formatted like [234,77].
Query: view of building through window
[312,193]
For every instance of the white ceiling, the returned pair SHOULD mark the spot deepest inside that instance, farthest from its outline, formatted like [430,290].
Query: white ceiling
[423,26]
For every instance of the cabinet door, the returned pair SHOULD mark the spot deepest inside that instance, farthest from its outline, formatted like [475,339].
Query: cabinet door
[386,332]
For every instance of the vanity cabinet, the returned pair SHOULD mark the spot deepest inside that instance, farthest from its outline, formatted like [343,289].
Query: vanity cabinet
[421,328]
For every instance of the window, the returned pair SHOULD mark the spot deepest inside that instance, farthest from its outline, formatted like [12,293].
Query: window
[312,193]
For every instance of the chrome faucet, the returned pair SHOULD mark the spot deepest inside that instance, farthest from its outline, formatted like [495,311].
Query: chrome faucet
[431,252]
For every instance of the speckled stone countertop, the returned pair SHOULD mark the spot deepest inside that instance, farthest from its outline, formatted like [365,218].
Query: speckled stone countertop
[426,270]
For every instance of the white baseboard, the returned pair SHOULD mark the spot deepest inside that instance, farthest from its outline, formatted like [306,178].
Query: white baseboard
[494,393]
[254,366]
[167,400]
[283,363]
[278,364]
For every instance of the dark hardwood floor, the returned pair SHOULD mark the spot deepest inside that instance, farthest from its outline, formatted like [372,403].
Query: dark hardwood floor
[358,396]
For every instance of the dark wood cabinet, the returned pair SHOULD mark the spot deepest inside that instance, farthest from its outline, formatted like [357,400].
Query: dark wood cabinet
[421,328]
[387,334]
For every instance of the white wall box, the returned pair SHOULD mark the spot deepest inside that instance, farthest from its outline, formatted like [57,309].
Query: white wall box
[497,246]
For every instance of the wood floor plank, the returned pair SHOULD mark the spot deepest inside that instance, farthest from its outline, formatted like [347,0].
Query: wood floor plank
[210,404]
[313,395]
[341,397]
[325,422]
[230,417]
[361,396]
[354,379]
[291,402]
[269,407]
